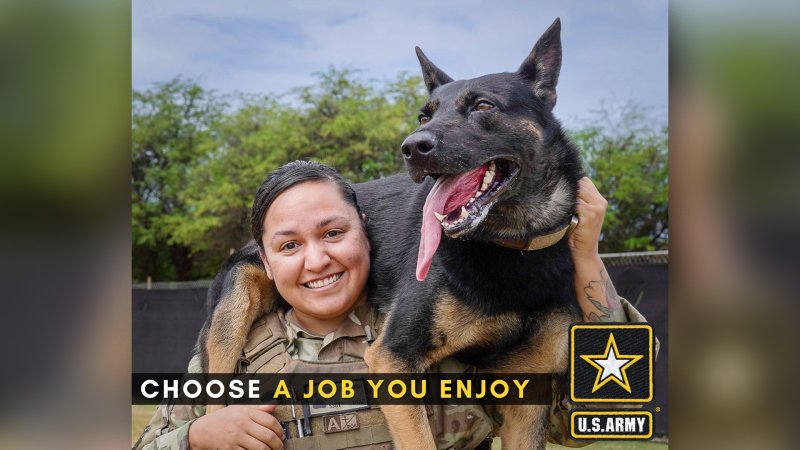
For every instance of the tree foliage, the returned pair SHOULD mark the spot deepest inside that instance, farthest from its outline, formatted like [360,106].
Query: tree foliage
[172,128]
[626,157]
[197,162]
[198,159]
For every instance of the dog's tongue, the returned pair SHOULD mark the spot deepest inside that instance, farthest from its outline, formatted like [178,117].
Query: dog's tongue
[448,194]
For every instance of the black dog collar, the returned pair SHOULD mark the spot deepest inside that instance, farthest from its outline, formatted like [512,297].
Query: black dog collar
[540,242]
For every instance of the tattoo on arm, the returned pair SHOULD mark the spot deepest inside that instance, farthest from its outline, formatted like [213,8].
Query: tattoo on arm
[596,292]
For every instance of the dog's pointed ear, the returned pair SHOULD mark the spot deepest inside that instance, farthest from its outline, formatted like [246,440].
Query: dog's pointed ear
[433,76]
[543,64]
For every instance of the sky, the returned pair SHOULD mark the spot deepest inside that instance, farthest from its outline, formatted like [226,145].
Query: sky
[614,51]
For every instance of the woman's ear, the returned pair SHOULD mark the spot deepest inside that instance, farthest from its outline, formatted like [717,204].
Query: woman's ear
[263,257]
[365,222]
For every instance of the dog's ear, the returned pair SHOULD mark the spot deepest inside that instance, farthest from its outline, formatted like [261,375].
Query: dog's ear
[543,65]
[433,76]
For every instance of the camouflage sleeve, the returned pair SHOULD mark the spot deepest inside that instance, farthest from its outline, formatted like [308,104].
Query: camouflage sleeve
[562,405]
[458,426]
[169,427]
[634,316]
[559,415]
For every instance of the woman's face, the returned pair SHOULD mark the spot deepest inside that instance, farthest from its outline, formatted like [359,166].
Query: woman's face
[316,251]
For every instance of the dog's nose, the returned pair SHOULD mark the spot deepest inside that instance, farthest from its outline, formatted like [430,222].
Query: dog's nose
[420,143]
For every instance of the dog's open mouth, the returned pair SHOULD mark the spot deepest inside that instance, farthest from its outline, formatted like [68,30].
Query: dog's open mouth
[466,206]
[459,203]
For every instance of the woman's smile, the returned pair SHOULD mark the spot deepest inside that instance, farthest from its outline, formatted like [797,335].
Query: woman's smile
[324,282]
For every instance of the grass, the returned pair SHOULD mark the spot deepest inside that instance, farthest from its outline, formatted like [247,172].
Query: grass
[141,415]
[605,445]
[619,445]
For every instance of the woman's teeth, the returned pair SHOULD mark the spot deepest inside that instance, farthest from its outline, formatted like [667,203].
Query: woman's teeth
[323,282]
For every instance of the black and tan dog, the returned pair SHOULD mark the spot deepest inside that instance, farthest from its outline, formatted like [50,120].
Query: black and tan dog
[496,175]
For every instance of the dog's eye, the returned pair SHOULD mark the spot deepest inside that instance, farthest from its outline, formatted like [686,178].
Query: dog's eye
[423,119]
[483,106]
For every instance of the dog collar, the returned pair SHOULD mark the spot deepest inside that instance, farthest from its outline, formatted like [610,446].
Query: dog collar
[539,242]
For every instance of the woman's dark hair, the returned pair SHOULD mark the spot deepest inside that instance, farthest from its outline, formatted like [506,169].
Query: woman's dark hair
[288,175]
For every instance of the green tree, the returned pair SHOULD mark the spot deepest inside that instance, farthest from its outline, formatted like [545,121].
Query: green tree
[626,157]
[172,126]
[357,127]
[249,143]
[197,164]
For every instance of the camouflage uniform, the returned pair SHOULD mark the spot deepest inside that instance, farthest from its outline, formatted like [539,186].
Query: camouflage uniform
[460,426]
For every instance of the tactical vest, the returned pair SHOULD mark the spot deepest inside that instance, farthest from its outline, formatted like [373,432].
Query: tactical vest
[365,429]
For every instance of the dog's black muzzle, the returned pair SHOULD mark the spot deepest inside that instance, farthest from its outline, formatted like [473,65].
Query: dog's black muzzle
[419,153]
[418,145]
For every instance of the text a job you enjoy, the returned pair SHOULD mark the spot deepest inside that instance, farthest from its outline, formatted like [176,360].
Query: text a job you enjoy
[345,389]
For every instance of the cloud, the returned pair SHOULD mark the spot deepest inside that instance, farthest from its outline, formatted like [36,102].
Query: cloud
[615,51]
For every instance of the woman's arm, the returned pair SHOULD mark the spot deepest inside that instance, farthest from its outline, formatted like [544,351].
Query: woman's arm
[237,426]
[181,427]
[596,294]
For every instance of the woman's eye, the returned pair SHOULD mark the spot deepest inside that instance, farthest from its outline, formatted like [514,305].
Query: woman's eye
[288,246]
[423,119]
[334,233]
[483,106]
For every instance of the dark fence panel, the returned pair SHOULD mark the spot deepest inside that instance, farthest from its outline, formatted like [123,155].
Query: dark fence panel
[646,288]
[166,323]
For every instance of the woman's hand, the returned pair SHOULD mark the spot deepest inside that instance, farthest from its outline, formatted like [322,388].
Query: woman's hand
[237,426]
[596,294]
[585,238]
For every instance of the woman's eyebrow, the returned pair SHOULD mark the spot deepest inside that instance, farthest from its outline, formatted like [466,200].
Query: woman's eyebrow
[321,224]
[281,233]
[327,221]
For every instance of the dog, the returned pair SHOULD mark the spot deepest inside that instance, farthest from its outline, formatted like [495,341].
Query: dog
[491,170]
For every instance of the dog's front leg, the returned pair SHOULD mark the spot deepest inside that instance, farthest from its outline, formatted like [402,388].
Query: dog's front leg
[524,426]
[528,426]
[249,295]
[408,423]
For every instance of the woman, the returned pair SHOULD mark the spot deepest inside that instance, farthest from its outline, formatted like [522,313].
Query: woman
[313,244]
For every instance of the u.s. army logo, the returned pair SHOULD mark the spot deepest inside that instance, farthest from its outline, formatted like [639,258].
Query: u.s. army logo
[611,363]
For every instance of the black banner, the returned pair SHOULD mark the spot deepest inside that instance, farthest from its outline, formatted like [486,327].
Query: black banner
[344,389]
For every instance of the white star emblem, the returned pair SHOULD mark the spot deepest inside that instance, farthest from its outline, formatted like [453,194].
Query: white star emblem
[611,365]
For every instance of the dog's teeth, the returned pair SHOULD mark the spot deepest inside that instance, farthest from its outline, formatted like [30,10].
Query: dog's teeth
[464,213]
[470,201]
[439,217]
[484,185]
